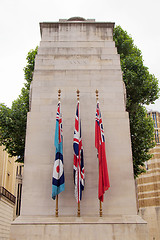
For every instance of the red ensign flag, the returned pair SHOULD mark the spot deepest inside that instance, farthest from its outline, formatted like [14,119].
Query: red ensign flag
[101,154]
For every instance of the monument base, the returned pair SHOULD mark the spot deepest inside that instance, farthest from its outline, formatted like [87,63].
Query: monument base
[80,228]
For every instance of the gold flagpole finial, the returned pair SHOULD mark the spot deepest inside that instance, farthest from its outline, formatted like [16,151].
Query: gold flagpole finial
[96,94]
[59,94]
[78,94]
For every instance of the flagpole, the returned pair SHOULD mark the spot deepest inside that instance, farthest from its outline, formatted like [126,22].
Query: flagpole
[100,202]
[79,209]
[59,98]
[56,205]
[100,208]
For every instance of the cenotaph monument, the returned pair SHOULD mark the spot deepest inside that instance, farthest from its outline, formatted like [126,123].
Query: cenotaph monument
[78,54]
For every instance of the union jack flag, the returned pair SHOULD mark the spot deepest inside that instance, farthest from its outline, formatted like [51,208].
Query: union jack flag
[78,164]
[101,154]
[58,184]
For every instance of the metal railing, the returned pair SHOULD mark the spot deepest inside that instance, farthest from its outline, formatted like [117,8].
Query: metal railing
[4,192]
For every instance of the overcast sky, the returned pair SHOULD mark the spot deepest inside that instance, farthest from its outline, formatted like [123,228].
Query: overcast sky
[20,32]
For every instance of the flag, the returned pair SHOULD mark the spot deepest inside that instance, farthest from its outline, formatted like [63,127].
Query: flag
[58,184]
[78,164]
[101,154]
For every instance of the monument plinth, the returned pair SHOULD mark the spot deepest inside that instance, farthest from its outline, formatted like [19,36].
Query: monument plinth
[78,55]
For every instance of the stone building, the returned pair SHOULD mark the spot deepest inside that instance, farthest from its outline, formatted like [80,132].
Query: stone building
[10,180]
[148,185]
[7,188]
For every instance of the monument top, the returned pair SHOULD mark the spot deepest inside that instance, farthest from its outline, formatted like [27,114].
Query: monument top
[77,21]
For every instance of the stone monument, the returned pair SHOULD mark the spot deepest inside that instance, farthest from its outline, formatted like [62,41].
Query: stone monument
[78,54]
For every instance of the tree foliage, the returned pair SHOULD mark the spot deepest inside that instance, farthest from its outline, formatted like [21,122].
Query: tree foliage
[28,70]
[142,137]
[141,88]
[13,120]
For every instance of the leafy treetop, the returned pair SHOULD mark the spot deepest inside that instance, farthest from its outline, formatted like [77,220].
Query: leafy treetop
[13,120]
[141,88]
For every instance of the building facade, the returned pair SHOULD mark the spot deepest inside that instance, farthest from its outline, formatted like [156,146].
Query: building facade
[148,185]
[10,187]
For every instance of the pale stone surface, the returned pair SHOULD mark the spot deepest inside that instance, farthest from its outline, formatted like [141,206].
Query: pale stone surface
[112,227]
[6,217]
[78,55]
[152,216]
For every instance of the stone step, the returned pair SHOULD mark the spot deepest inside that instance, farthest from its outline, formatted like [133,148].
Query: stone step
[72,44]
[46,85]
[60,38]
[77,56]
[77,62]
[95,75]
[72,67]
[92,50]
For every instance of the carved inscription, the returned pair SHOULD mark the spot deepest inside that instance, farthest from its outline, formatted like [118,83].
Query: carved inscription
[77,60]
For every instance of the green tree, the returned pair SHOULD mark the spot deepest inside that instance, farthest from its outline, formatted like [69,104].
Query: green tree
[141,88]
[13,120]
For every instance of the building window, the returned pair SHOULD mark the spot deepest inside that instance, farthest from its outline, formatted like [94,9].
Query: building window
[154,119]
[20,170]
[17,171]
[156,136]
[18,205]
